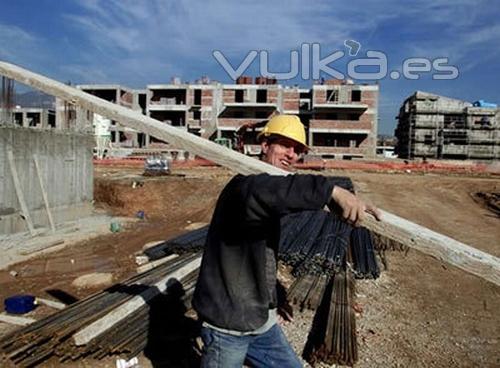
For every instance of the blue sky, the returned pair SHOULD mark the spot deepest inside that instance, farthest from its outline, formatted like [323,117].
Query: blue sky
[134,42]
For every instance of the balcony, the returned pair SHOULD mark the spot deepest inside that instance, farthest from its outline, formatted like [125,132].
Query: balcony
[340,106]
[340,126]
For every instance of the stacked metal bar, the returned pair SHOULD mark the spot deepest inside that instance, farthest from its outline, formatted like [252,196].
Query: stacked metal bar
[332,254]
[317,242]
[313,242]
[307,291]
[192,241]
[51,336]
[332,338]
[362,251]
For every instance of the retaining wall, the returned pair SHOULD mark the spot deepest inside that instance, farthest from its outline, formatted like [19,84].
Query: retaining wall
[65,160]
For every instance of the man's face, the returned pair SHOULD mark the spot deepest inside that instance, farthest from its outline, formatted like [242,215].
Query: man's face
[281,152]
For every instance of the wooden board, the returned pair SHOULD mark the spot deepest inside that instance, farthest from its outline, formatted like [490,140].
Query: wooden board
[44,194]
[19,192]
[16,320]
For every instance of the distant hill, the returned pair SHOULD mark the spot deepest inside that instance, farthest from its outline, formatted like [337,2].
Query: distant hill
[34,99]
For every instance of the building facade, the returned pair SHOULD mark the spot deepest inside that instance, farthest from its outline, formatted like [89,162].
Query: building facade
[340,116]
[433,126]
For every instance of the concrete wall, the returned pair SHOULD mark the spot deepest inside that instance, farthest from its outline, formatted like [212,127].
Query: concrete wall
[65,160]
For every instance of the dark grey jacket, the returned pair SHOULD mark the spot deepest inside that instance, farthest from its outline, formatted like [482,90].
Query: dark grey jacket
[234,291]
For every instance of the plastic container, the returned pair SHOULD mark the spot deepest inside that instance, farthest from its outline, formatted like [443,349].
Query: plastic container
[115,227]
[19,304]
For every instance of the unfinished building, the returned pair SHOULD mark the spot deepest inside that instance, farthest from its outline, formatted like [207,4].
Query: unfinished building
[123,96]
[433,126]
[340,116]
[247,104]
[343,119]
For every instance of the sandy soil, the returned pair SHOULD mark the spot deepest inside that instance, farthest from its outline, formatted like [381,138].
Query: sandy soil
[421,312]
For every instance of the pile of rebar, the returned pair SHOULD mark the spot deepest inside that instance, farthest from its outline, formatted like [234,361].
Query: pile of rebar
[318,242]
[362,251]
[327,254]
[332,338]
[52,336]
[307,291]
[192,241]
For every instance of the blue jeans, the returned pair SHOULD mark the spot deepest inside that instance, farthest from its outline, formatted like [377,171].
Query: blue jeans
[270,349]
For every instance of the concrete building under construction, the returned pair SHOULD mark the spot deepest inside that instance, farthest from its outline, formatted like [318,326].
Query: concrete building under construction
[433,126]
[340,116]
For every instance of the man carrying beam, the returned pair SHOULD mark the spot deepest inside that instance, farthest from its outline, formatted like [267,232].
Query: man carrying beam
[236,297]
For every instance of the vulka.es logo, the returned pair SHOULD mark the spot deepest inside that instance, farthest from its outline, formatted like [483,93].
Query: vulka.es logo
[308,63]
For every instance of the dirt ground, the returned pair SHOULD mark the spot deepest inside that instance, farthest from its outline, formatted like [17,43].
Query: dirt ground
[420,312]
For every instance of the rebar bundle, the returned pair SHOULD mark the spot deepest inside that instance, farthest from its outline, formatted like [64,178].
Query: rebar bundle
[192,241]
[332,338]
[313,242]
[317,242]
[362,249]
[52,336]
[323,251]
[307,291]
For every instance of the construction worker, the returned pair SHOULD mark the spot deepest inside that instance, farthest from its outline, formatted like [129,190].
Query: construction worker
[236,296]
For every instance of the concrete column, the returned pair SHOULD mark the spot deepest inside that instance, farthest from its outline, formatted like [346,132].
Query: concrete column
[25,119]
[44,119]
[81,121]
[135,140]
[60,114]
[280,100]
[117,134]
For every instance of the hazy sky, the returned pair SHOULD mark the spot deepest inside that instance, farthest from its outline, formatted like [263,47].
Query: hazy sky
[136,42]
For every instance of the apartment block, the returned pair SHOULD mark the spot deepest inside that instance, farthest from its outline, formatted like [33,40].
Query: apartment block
[123,96]
[186,106]
[247,105]
[434,126]
[343,119]
[340,116]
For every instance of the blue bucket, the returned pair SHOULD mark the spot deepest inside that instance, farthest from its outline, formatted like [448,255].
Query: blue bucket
[19,304]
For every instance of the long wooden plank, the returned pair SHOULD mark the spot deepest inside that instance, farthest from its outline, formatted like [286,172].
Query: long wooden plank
[415,236]
[50,303]
[129,118]
[437,245]
[98,327]
[154,264]
[16,320]
[44,194]
[19,192]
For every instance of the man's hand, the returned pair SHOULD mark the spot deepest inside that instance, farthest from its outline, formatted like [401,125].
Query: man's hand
[353,208]
[285,314]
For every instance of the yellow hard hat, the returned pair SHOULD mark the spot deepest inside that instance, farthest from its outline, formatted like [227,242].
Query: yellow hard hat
[288,126]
